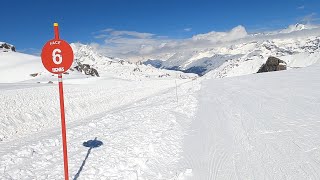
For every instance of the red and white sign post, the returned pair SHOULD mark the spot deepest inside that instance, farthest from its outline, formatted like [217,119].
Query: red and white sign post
[57,58]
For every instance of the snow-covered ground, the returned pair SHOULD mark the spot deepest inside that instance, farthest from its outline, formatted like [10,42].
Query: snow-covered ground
[263,126]
[16,66]
[137,115]
[141,125]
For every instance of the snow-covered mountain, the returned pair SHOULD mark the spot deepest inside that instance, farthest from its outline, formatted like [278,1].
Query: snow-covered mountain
[110,66]
[247,52]
[250,56]
[20,67]
[241,53]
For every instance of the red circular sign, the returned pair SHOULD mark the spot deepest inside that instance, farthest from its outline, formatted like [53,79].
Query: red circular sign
[57,56]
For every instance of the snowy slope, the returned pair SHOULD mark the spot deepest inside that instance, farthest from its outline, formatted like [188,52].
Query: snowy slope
[263,126]
[119,68]
[250,64]
[17,67]
[118,108]
[139,122]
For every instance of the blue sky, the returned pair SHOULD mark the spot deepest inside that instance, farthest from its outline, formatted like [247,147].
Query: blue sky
[28,24]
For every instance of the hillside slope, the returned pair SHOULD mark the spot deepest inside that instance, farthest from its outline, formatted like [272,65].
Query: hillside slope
[263,126]
[139,123]
[17,67]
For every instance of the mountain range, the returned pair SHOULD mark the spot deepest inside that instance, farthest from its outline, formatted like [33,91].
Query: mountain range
[235,53]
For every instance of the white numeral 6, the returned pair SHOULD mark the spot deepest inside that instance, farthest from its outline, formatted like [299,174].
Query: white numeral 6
[56,56]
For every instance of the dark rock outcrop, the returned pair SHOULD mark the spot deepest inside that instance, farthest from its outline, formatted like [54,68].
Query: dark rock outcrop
[137,69]
[34,74]
[273,64]
[6,46]
[87,69]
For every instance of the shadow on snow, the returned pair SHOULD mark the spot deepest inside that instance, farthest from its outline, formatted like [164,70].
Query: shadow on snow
[90,144]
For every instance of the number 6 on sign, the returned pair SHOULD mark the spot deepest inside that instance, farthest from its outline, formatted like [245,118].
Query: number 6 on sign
[56,56]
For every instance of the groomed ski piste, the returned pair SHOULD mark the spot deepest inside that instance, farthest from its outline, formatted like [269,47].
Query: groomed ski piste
[258,126]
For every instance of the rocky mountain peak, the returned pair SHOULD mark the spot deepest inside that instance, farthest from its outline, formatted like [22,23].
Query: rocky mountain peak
[5,47]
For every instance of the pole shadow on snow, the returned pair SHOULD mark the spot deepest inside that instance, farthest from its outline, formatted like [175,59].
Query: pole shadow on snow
[90,144]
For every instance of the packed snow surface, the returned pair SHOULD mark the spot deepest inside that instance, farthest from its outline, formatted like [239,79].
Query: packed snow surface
[138,122]
[262,126]
[130,110]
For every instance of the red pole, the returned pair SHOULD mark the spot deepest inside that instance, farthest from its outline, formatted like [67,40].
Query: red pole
[63,122]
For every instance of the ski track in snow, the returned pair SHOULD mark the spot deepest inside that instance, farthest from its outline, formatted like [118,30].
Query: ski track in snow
[142,134]
[263,126]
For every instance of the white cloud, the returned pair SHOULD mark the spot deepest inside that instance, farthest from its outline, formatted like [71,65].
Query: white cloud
[187,29]
[101,36]
[134,45]
[128,44]
[301,7]
[116,33]
[107,30]
[235,33]
[310,18]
